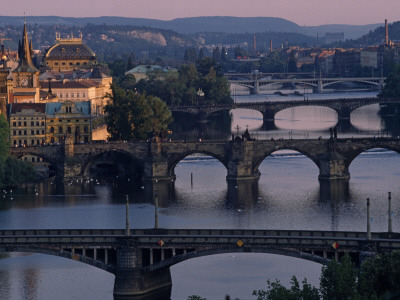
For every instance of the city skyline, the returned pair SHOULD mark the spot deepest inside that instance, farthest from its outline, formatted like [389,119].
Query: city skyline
[302,12]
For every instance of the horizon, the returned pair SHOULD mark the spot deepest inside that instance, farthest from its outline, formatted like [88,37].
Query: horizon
[301,12]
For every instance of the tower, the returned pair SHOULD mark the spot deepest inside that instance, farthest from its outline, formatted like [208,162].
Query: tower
[386,33]
[25,78]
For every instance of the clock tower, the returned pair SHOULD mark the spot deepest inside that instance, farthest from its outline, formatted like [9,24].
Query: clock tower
[25,78]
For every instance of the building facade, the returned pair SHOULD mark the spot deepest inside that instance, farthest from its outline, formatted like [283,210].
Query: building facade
[69,54]
[68,119]
[27,124]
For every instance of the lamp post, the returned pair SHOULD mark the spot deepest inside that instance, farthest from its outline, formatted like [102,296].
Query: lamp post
[390,229]
[156,208]
[368,222]
[127,229]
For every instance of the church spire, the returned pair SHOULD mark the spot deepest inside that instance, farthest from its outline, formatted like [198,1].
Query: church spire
[24,52]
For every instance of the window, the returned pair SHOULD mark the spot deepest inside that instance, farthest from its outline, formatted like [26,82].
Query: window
[52,140]
[63,63]
[71,64]
[72,95]
[56,64]
[25,124]
[32,143]
[69,129]
[14,124]
[60,129]
[86,129]
[37,132]
[83,95]
[14,132]
[19,123]
[32,132]
[43,131]
[37,123]
[60,95]
[51,129]
[32,123]
[19,132]
[42,123]
[25,133]
[66,95]
[77,95]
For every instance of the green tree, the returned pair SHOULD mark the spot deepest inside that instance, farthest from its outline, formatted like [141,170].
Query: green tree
[380,277]
[276,291]
[339,281]
[133,116]
[392,85]
[4,139]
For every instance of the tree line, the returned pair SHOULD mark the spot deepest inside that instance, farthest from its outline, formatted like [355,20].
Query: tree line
[12,170]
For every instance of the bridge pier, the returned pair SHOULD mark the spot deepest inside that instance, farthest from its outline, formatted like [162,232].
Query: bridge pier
[134,282]
[344,112]
[332,166]
[268,116]
[256,89]
[240,165]
[155,167]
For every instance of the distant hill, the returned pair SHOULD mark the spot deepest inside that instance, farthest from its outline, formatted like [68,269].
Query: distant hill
[202,24]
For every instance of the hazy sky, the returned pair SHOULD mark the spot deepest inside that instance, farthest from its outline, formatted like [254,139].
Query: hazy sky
[302,12]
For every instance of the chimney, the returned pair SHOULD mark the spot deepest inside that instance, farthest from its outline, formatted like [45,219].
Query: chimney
[386,33]
[254,45]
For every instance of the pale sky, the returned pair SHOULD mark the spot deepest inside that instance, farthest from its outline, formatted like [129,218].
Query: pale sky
[302,12]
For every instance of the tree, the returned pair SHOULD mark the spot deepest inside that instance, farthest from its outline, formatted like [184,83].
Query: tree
[392,85]
[339,281]
[380,277]
[4,139]
[276,291]
[134,116]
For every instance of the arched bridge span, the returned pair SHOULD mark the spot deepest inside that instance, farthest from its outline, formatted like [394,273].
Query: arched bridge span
[241,158]
[140,259]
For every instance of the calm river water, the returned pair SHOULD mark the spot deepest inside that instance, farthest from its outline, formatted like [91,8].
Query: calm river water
[288,196]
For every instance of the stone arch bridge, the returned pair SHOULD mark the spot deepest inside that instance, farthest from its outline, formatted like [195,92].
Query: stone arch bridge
[141,259]
[241,158]
[318,84]
[343,107]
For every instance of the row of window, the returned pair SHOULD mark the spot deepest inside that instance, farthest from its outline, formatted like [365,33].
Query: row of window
[25,142]
[60,121]
[14,124]
[60,95]
[71,64]
[37,118]
[25,132]
[69,130]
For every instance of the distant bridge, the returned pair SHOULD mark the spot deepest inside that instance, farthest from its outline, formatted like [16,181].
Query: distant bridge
[254,82]
[141,258]
[343,107]
[241,158]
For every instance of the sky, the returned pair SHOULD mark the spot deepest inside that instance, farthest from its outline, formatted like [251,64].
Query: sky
[302,12]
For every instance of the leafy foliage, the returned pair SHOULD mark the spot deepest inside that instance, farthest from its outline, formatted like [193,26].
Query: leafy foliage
[181,88]
[380,277]
[392,86]
[276,291]
[339,281]
[135,116]
[4,139]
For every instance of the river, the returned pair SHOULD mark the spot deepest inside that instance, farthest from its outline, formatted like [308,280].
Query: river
[288,196]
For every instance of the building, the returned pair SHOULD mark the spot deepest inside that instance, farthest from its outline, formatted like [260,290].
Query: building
[69,54]
[142,71]
[369,57]
[27,124]
[68,119]
[93,85]
[24,87]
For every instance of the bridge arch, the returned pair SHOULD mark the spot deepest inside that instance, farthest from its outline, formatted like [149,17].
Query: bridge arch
[113,161]
[356,153]
[28,151]
[65,254]
[173,161]
[266,154]
[277,251]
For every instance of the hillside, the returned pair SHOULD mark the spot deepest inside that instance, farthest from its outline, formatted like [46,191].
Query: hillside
[202,24]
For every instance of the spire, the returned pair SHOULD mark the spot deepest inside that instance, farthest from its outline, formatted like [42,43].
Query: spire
[24,53]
